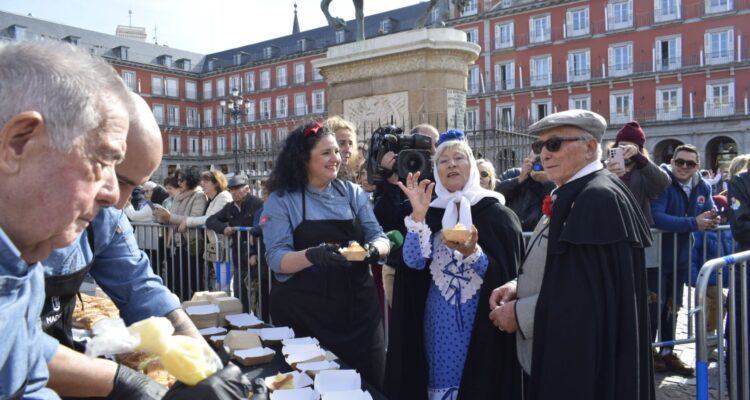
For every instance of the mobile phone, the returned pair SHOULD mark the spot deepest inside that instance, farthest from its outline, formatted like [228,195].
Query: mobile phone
[615,155]
[537,165]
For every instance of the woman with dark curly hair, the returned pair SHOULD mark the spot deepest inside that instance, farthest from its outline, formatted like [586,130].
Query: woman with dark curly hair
[308,216]
[187,264]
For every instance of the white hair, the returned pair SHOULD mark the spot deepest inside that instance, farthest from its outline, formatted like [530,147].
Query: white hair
[67,86]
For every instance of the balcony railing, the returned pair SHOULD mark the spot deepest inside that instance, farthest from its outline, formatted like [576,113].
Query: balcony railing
[578,75]
[505,84]
[719,108]
[668,64]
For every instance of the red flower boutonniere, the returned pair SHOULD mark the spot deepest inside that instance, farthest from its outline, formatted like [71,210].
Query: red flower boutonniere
[547,206]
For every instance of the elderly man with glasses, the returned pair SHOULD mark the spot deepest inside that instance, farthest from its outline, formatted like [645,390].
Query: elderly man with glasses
[578,306]
[683,207]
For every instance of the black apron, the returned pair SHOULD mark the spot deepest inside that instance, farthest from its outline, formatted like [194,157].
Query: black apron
[60,300]
[337,305]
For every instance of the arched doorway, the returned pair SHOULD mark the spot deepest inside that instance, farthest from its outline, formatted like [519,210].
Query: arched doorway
[719,153]
[664,150]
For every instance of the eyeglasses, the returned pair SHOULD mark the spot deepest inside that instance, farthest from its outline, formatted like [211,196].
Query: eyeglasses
[554,144]
[484,174]
[682,163]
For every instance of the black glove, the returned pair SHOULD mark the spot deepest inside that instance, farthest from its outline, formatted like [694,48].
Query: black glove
[227,384]
[132,385]
[326,255]
[373,255]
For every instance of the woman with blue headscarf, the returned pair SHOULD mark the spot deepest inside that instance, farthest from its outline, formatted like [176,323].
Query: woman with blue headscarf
[466,356]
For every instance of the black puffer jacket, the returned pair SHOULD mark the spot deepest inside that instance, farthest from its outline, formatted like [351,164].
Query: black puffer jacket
[525,199]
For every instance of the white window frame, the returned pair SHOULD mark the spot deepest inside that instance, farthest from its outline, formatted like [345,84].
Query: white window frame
[617,9]
[472,80]
[191,117]
[299,73]
[265,108]
[579,102]
[667,10]
[221,87]
[281,76]
[674,61]
[506,82]
[472,35]
[721,56]
[318,101]
[193,146]
[174,144]
[572,16]
[250,81]
[473,123]
[173,87]
[221,144]
[208,117]
[340,36]
[540,30]
[234,83]
[385,25]
[672,108]
[131,80]
[158,110]
[620,50]
[265,79]
[717,106]
[317,76]
[157,85]
[191,89]
[207,147]
[621,107]
[300,106]
[504,35]
[717,6]
[535,108]
[470,8]
[208,87]
[265,138]
[503,123]
[250,108]
[281,134]
[537,78]
[221,116]
[579,65]
[250,140]
[282,106]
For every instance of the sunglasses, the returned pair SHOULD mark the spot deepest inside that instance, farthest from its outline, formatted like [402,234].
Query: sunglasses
[554,144]
[484,174]
[682,163]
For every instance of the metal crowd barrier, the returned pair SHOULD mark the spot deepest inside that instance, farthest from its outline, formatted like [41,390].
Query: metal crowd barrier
[183,266]
[703,339]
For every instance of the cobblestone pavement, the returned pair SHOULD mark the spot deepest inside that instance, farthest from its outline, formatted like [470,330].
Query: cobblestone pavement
[670,386]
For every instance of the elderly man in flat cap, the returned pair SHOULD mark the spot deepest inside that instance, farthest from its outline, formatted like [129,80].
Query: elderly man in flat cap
[578,306]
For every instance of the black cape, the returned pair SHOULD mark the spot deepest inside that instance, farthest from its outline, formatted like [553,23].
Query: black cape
[491,368]
[591,336]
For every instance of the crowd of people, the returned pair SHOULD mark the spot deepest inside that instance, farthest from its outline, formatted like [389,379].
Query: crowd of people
[570,311]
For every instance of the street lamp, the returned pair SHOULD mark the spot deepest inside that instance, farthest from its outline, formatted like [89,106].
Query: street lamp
[235,109]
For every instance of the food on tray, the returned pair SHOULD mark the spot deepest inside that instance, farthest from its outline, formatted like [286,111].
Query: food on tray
[282,381]
[459,233]
[148,365]
[90,309]
[354,252]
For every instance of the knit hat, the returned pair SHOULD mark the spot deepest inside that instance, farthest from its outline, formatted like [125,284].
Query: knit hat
[721,203]
[631,132]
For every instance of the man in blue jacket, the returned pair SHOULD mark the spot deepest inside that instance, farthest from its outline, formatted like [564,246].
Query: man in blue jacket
[685,206]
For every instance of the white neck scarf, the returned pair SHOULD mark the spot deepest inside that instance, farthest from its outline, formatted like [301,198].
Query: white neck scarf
[458,204]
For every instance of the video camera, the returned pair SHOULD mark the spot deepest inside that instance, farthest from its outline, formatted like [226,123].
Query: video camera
[412,153]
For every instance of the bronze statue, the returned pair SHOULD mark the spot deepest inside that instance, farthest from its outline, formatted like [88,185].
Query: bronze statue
[444,12]
[338,23]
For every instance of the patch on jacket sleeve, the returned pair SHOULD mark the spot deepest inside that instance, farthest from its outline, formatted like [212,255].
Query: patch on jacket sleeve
[735,204]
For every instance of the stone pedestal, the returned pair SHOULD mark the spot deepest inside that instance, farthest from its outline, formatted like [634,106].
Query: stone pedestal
[408,77]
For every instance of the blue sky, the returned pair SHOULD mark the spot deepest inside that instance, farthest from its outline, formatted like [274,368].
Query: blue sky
[195,25]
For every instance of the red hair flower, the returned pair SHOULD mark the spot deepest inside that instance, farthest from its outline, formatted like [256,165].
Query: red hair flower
[547,206]
[312,129]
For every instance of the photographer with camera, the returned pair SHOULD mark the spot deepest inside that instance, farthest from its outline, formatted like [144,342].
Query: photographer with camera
[391,207]
[525,193]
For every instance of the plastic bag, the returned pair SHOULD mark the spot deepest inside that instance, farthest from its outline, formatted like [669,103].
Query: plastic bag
[188,359]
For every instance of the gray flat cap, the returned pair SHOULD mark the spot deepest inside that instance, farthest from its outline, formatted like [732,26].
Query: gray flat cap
[238,180]
[589,121]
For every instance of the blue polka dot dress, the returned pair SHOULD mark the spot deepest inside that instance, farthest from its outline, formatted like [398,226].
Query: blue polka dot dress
[451,305]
